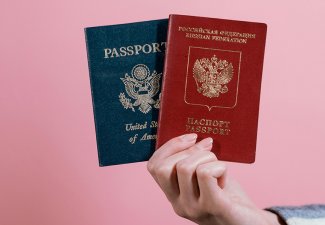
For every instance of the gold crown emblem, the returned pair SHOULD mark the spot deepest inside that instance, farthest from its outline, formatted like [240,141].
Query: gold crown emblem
[212,75]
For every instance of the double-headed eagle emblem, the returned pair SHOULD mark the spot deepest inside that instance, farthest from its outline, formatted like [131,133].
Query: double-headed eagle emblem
[212,76]
[142,87]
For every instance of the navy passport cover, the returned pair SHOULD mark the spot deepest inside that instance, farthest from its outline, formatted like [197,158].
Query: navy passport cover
[125,66]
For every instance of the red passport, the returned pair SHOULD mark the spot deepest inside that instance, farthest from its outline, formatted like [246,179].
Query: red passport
[211,84]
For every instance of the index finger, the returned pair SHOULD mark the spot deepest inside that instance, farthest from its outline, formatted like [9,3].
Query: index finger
[173,146]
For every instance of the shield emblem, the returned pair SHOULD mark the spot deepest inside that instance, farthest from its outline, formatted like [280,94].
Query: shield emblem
[212,77]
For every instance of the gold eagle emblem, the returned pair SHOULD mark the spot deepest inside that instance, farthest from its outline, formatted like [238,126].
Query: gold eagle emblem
[142,87]
[212,76]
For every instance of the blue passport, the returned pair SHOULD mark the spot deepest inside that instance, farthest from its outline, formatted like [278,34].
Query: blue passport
[125,66]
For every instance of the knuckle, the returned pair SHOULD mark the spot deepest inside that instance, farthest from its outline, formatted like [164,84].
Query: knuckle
[192,213]
[207,154]
[212,155]
[162,171]
[150,167]
[179,211]
[183,167]
[202,171]
[223,165]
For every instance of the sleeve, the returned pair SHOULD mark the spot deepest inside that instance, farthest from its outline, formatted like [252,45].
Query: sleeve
[301,215]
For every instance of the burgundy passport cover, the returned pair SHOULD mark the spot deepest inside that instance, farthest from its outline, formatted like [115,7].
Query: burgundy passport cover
[211,84]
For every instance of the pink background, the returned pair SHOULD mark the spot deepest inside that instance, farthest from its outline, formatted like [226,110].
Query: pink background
[49,170]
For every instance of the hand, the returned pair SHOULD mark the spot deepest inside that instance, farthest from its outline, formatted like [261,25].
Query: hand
[195,183]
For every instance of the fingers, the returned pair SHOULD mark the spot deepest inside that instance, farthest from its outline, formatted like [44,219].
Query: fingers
[165,173]
[211,179]
[173,146]
[191,176]
[186,168]
[166,176]
[176,171]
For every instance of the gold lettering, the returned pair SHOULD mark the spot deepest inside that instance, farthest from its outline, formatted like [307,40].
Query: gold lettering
[223,35]
[208,122]
[198,36]
[208,126]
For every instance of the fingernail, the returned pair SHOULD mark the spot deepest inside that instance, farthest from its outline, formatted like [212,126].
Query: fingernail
[189,137]
[207,142]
